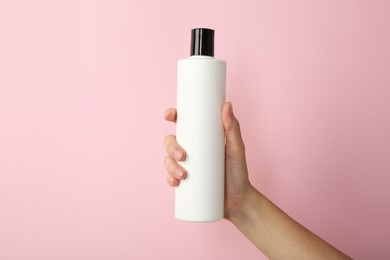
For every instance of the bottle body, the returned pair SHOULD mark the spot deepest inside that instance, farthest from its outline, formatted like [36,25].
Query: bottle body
[200,97]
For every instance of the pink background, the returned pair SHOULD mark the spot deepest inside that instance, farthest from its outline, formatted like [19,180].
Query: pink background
[83,89]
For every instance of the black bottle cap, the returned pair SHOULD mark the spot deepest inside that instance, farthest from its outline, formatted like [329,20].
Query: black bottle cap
[202,42]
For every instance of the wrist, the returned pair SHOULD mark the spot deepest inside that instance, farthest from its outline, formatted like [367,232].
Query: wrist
[245,209]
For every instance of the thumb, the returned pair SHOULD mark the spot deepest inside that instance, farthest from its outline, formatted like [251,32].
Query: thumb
[234,144]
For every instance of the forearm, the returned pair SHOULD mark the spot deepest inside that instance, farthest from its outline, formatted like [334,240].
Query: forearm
[276,234]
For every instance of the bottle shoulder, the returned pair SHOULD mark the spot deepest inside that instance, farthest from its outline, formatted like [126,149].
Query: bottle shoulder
[200,59]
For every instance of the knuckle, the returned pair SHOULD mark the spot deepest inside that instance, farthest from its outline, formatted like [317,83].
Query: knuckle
[168,140]
[166,160]
[170,164]
[165,140]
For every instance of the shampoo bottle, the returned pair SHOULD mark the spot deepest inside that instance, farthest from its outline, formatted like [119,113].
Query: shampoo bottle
[200,97]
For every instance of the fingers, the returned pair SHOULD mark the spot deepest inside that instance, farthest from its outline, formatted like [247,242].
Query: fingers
[175,153]
[173,168]
[170,115]
[173,148]
[234,142]
[172,181]
[170,144]
[175,171]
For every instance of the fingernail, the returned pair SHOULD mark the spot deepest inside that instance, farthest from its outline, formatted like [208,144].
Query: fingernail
[171,180]
[167,113]
[179,173]
[178,155]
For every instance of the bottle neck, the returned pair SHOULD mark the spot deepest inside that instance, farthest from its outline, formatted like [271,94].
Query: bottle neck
[201,57]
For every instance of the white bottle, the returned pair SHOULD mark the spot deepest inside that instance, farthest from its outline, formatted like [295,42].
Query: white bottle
[200,97]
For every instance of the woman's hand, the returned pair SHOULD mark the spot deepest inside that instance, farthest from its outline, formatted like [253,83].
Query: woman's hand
[237,185]
[271,230]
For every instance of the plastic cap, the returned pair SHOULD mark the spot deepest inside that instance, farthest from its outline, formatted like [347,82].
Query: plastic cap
[202,42]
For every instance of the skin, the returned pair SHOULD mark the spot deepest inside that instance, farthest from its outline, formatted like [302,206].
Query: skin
[270,229]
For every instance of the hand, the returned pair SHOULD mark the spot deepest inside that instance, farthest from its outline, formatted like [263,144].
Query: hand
[237,185]
[249,210]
